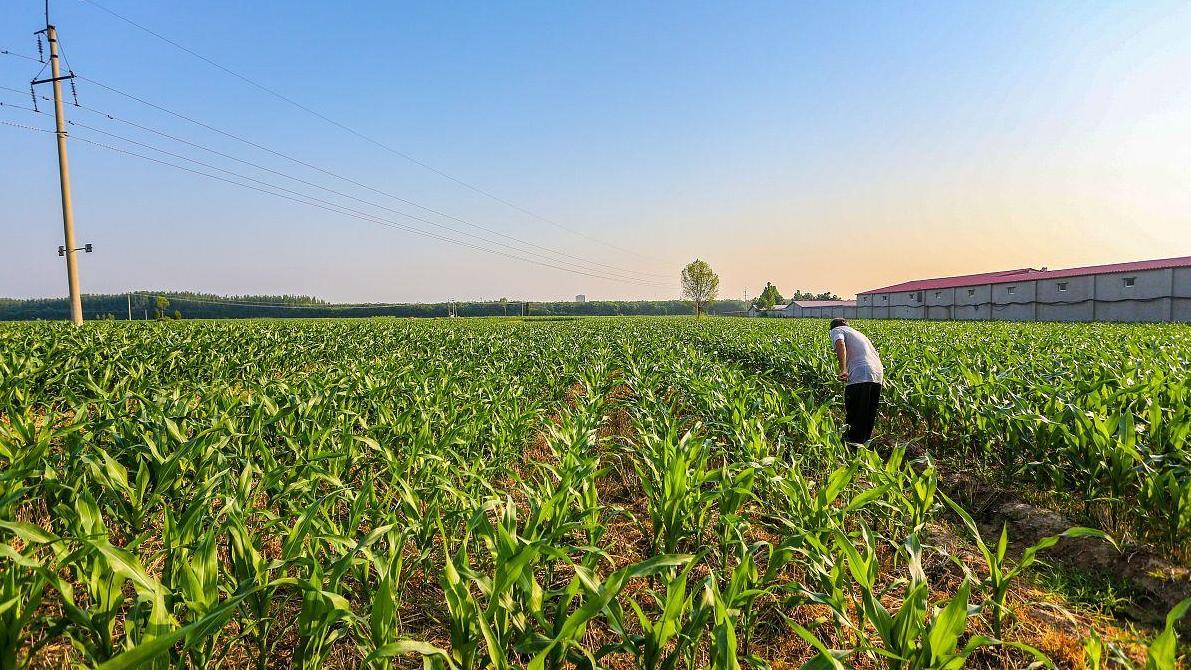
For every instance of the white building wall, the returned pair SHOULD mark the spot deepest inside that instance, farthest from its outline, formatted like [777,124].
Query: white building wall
[907,306]
[864,306]
[1148,299]
[1180,308]
[904,305]
[1065,299]
[971,303]
[939,304]
[1013,302]
[881,307]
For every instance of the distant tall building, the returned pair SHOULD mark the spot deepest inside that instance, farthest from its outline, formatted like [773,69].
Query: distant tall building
[580,298]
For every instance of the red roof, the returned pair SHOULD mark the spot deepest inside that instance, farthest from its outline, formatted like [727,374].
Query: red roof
[1031,274]
[825,303]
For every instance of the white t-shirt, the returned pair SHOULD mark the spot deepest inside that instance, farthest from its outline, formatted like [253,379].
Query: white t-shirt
[864,365]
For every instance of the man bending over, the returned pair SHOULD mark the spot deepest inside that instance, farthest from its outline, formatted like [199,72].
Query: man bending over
[860,368]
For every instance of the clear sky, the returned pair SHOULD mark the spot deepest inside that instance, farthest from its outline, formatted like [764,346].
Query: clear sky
[839,146]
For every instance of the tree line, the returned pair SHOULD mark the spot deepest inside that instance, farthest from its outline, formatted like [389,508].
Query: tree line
[191,305]
[770,296]
[701,287]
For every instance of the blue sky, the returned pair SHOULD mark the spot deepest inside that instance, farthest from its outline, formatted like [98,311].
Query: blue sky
[818,146]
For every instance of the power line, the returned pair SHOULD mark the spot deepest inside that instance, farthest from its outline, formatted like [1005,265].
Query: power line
[21,125]
[6,52]
[108,115]
[565,265]
[364,217]
[361,135]
[349,180]
[322,201]
[12,106]
[338,209]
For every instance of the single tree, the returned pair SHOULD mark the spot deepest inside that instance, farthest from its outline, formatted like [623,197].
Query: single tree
[177,315]
[700,285]
[162,304]
[769,297]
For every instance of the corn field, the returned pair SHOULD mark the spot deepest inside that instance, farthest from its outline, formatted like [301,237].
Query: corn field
[604,493]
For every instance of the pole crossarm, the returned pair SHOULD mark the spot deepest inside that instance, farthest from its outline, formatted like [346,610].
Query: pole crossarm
[49,80]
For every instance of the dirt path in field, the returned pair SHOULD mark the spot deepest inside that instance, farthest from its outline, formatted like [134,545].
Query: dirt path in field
[1160,583]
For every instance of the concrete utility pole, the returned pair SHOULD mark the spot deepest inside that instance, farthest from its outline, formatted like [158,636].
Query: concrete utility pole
[130,307]
[71,252]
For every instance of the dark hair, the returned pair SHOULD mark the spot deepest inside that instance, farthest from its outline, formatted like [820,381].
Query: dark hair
[836,323]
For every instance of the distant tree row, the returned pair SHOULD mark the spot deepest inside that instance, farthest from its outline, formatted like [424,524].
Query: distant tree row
[700,286]
[770,296]
[146,305]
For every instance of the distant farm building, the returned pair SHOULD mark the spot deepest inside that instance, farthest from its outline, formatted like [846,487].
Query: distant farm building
[580,298]
[1156,290]
[807,308]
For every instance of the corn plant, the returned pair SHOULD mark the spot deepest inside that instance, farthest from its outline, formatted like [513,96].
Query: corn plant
[1161,652]
[285,491]
[1001,571]
[672,470]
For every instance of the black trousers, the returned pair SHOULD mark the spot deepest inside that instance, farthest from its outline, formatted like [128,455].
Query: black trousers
[860,407]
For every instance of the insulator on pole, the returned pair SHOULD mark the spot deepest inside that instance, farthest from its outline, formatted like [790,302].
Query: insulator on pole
[33,95]
[74,93]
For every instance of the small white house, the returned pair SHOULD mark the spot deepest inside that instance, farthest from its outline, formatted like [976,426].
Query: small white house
[809,308]
[775,312]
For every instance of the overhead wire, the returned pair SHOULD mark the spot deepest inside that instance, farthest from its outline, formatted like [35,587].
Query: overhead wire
[363,136]
[562,264]
[6,52]
[606,266]
[298,161]
[21,125]
[21,107]
[320,200]
[339,209]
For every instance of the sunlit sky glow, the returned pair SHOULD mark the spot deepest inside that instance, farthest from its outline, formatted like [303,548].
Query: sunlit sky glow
[839,147]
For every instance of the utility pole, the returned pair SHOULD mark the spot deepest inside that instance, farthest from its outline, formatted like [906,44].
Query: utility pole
[130,307]
[72,270]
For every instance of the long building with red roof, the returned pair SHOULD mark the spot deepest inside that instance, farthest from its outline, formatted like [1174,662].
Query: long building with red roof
[1153,290]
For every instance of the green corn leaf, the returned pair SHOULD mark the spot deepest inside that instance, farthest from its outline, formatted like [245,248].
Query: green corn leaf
[403,647]
[1161,653]
[948,625]
[189,634]
[28,532]
[603,595]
